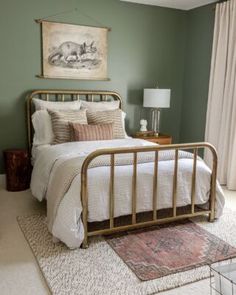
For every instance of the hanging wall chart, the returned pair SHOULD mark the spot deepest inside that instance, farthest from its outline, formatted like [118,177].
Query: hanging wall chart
[73,51]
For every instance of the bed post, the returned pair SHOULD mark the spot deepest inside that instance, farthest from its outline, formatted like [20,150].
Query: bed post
[213,183]
[84,199]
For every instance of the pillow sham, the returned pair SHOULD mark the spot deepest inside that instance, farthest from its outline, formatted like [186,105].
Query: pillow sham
[104,117]
[92,106]
[56,105]
[100,105]
[123,124]
[82,132]
[60,123]
[43,133]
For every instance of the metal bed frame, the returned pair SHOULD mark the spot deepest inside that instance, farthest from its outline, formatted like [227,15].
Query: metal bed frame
[64,95]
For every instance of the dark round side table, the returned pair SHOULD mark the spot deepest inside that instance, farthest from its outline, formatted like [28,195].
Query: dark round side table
[18,169]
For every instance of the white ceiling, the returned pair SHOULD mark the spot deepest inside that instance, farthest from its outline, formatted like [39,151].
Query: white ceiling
[178,4]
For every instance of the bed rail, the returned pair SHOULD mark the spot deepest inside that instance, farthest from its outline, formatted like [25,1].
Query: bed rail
[155,220]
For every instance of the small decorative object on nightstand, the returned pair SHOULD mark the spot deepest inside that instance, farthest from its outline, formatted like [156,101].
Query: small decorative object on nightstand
[149,136]
[18,169]
[143,124]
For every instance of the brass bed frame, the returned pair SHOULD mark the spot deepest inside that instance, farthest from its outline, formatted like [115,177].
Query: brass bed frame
[64,95]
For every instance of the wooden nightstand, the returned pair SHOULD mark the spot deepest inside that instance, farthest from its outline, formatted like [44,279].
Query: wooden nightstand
[160,139]
[18,169]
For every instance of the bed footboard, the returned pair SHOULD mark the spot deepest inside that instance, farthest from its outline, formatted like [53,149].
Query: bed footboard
[155,219]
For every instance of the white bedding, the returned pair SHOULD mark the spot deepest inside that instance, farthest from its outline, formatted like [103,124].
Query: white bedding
[67,225]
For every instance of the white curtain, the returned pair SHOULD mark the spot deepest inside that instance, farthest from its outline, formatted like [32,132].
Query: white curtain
[221,111]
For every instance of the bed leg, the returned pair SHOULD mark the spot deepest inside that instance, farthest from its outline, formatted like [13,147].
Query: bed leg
[211,217]
[85,244]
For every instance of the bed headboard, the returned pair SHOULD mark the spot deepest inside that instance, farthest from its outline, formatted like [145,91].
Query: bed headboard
[65,95]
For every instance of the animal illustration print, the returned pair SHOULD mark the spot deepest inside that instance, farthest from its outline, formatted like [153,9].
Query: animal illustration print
[74,55]
[71,50]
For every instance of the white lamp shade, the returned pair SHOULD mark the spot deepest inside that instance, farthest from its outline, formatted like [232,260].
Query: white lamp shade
[156,98]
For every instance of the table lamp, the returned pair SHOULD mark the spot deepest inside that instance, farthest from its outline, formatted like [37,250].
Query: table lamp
[156,99]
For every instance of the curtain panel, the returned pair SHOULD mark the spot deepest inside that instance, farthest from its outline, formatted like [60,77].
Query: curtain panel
[221,111]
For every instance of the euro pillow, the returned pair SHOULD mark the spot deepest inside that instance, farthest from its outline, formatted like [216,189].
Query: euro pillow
[56,105]
[82,132]
[60,123]
[43,133]
[100,105]
[105,117]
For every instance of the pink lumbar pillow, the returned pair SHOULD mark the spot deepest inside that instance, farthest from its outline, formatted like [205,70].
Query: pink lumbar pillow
[82,132]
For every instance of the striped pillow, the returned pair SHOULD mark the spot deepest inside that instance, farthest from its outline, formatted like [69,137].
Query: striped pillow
[60,123]
[81,132]
[105,117]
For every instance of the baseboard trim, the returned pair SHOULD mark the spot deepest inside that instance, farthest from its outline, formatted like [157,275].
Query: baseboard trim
[3,181]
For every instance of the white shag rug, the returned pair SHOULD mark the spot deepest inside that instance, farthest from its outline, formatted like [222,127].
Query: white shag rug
[99,270]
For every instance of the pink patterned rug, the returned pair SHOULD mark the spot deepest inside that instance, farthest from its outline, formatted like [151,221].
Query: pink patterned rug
[167,249]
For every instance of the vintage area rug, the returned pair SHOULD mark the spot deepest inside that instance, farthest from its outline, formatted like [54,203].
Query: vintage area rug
[99,270]
[168,249]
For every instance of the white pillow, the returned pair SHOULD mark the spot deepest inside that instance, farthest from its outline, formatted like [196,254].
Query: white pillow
[123,124]
[43,133]
[100,106]
[56,105]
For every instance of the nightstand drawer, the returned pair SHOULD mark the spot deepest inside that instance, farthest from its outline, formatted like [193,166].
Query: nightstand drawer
[161,139]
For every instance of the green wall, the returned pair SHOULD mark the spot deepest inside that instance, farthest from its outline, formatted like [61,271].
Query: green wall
[200,24]
[146,45]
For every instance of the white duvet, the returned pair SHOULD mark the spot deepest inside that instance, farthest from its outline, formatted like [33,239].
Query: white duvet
[67,225]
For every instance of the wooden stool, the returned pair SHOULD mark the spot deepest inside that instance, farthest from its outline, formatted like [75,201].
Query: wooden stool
[18,169]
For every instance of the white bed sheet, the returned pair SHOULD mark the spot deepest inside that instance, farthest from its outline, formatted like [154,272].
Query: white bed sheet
[67,225]
[36,150]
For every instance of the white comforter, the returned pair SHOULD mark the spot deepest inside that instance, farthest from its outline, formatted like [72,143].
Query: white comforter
[67,225]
